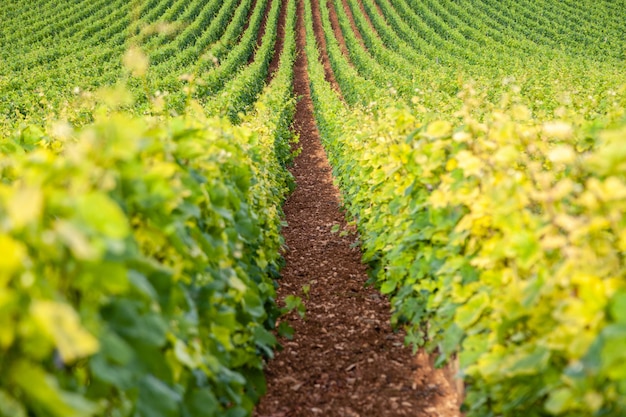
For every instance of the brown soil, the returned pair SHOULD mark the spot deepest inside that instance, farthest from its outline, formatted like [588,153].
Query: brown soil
[380,11]
[247,22]
[367,16]
[278,46]
[344,359]
[321,42]
[334,23]
[353,25]
[261,32]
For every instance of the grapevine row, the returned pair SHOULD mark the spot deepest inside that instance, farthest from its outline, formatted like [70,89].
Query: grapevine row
[492,212]
[139,278]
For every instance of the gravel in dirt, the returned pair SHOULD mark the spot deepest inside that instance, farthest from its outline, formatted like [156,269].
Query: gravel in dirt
[344,360]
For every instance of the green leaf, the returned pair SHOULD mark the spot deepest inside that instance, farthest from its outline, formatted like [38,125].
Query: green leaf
[388,287]
[285,330]
[202,403]
[184,356]
[103,215]
[528,364]
[116,375]
[10,407]
[618,307]
[30,136]
[256,384]
[254,305]
[527,248]
[110,277]
[246,228]
[62,323]
[237,412]
[559,401]
[43,391]
[468,313]
[451,340]
[613,353]
[81,405]
[293,302]
[157,399]
[262,336]
[144,328]
[473,347]
[141,283]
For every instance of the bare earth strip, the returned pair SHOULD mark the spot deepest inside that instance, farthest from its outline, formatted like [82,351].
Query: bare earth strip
[278,46]
[344,360]
[261,32]
[321,41]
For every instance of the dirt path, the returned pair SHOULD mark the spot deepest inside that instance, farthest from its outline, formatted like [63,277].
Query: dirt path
[261,31]
[321,41]
[344,359]
[334,23]
[365,15]
[278,45]
[353,25]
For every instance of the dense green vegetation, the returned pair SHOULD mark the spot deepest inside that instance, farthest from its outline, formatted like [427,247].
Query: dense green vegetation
[140,230]
[480,147]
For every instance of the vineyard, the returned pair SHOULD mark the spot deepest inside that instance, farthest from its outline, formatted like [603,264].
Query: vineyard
[149,265]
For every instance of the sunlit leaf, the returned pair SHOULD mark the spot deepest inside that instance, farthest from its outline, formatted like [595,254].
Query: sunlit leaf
[62,323]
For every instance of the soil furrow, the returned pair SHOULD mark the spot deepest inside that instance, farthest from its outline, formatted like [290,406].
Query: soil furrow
[344,359]
[334,23]
[248,18]
[353,25]
[380,11]
[278,45]
[321,42]
[366,16]
[261,32]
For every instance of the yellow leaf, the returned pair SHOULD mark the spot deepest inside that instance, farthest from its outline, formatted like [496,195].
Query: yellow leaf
[553,241]
[440,197]
[506,155]
[558,130]
[588,200]
[76,240]
[136,61]
[62,324]
[115,97]
[622,241]
[8,303]
[521,113]
[562,188]
[567,222]
[562,154]
[461,137]
[594,400]
[470,164]
[25,206]
[438,129]
[614,189]
[237,284]
[11,258]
